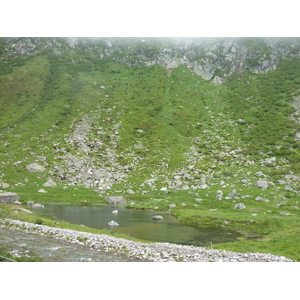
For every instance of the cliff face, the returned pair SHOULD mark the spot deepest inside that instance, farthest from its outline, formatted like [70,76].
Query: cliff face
[211,58]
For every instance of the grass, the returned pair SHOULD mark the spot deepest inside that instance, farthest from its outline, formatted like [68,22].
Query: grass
[187,124]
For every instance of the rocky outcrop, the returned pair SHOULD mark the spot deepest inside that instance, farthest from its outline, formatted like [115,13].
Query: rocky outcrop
[212,59]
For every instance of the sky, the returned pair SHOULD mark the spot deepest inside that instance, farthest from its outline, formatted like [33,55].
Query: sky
[116,18]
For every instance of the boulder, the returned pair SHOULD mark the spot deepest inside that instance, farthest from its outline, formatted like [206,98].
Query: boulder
[9,197]
[115,200]
[240,206]
[157,218]
[49,183]
[113,223]
[34,167]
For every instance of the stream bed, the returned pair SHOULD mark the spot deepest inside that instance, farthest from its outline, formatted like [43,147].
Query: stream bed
[53,250]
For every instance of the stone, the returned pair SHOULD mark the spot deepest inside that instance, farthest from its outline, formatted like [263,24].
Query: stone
[172,205]
[240,206]
[113,223]
[284,214]
[5,185]
[36,205]
[219,197]
[232,195]
[129,192]
[157,218]
[30,203]
[115,200]
[9,197]
[35,167]
[49,183]
[245,181]
[198,200]
[42,191]
[263,184]
[115,211]
[260,174]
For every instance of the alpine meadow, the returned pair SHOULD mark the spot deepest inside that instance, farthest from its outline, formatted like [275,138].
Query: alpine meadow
[207,129]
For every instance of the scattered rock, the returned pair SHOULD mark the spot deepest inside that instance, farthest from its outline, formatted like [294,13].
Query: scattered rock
[42,191]
[284,214]
[115,211]
[4,185]
[172,205]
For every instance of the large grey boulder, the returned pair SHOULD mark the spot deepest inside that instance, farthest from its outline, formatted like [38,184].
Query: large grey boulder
[35,167]
[9,197]
[115,200]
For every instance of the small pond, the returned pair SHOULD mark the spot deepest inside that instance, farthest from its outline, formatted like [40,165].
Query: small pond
[139,224]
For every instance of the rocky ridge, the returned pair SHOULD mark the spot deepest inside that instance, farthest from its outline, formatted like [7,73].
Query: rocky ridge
[212,59]
[155,252]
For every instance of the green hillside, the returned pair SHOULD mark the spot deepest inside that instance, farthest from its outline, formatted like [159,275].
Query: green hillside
[106,125]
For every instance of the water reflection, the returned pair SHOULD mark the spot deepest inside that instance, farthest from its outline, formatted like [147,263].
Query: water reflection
[138,223]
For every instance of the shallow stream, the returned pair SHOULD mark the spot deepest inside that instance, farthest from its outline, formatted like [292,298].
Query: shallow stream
[52,250]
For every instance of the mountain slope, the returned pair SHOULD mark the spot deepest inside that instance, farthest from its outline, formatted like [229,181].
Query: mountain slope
[108,115]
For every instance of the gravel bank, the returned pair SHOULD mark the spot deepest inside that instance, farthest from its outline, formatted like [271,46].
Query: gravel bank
[155,252]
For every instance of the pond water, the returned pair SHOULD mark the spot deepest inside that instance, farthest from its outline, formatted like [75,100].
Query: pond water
[139,224]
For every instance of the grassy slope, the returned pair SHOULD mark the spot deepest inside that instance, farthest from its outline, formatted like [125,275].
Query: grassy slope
[173,109]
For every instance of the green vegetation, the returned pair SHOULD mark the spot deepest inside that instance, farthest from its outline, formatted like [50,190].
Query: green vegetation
[167,123]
